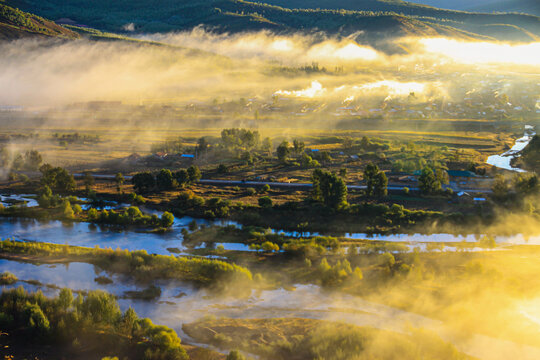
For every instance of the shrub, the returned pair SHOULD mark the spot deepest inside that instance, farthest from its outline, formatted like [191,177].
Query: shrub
[265,202]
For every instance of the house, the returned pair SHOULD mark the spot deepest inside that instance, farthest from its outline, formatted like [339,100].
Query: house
[461,175]
[160,155]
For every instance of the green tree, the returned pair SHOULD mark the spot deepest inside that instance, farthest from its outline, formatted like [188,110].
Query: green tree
[265,202]
[36,319]
[376,180]
[88,180]
[182,177]
[67,210]
[57,178]
[267,146]
[428,182]
[143,182]
[18,162]
[77,209]
[100,307]
[32,160]
[128,322]
[500,187]
[283,151]
[167,219]
[329,189]
[235,355]
[92,215]
[269,246]
[194,173]
[134,212]
[298,146]
[65,298]
[165,180]
[119,179]
[526,184]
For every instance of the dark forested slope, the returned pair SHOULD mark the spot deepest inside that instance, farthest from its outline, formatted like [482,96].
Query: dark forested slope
[376,18]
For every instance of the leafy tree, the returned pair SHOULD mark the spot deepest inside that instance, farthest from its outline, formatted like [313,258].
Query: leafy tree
[267,146]
[67,210]
[343,173]
[128,322]
[32,160]
[235,355]
[329,189]
[36,319]
[222,169]
[99,307]
[45,197]
[18,162]
[298,146]
[182,177]
[143,182]
[325,157]
[347,143]
[526,184]
[77,209]
[167,219]
[376,180]
[92,214]
[165,180]
[119,179]
[265,202]
[65,298]
[500,187]
[57,178]
[365,143]
[428,182]
[202,146]
[269,246]
[88,180]
[194,173]
[134,212]
[283,151]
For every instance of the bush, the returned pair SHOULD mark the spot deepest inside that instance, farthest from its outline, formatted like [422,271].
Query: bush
[8,278]
[167,219]
[265,202]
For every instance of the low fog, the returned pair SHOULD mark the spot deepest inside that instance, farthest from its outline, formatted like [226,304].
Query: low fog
[44,74]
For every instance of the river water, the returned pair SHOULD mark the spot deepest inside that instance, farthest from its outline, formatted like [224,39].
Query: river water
[503,161]
[180,303]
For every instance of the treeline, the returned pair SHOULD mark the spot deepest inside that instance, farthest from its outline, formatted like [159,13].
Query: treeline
[30,160]
[165,179]
[140,264]
[75,325]
[129,216]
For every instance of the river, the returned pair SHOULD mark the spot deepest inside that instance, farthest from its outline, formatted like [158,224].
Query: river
[180,303]
[503,161]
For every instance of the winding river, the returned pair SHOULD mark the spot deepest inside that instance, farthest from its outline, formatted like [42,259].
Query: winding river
[503,161]
[180,303]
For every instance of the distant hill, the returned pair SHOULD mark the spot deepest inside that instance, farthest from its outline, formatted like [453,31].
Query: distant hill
[15,24]
[377,18]
[521,6]
[520,26]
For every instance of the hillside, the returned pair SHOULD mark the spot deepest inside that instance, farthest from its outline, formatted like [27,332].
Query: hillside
[380,18]
[521,6]
[520,26]
[15,24]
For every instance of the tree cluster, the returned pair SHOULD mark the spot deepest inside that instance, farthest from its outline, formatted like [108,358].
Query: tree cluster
[66,320]
[165,179]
